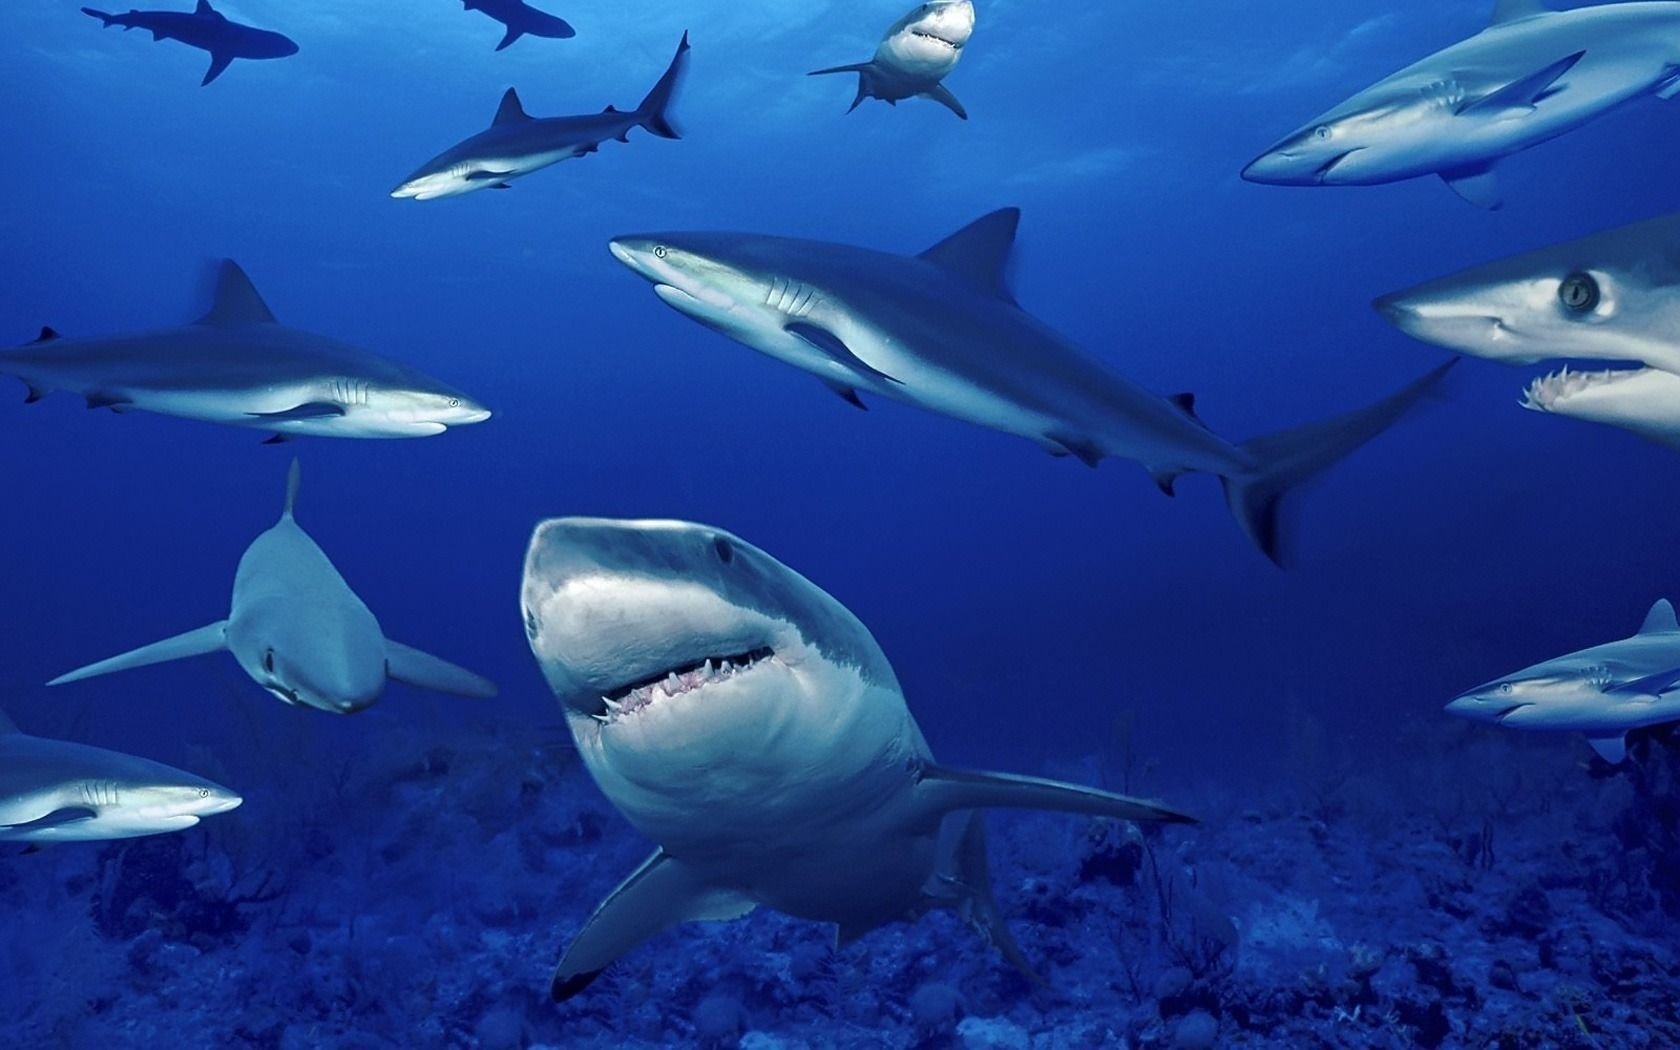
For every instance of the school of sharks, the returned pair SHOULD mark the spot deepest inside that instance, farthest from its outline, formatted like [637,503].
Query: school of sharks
[744,721]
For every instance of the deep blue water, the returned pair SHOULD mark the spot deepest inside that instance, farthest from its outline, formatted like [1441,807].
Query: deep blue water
[1026,602]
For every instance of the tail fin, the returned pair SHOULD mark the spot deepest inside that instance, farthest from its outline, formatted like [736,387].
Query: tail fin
[109,20]
[862,69]
[945,790]
[208,639]
[294,478]
[654,112]
[1290,458]
[971,879]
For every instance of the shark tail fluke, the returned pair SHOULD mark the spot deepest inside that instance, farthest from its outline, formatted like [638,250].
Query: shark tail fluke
[209,639]
[972,879]
[1288,459]
[947,790]
[654,112]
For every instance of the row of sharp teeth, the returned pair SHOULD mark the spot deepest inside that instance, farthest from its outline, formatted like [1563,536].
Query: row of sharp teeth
[1544,393]
[936,39]
[675,684]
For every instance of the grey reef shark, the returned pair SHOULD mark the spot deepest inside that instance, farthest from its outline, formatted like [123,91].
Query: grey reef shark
[237,365]
[1533,74]
[915,56]
[1611,296]
[517,143]
[300,632]
[749,724]
[1602,693]
[206,29]
[941,330]
[57,791]
[521,19]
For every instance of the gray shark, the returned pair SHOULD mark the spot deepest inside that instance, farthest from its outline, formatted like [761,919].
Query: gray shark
[1532,75]
[56,791]
[300,632]
[940,330]
[750,725]
[915,56]
[1602,692]
[207,29]
[517,144]
[239,366]
[521,19]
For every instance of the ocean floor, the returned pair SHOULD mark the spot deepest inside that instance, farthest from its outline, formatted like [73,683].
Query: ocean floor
[1501,892]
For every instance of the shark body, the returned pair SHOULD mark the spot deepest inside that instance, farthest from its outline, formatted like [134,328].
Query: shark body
[915,56]
[521,19]
[207,29]
[750,725]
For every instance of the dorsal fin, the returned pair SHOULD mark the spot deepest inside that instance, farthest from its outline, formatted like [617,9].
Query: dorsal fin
[47,335]
[1513,10]
[610,108]
[980,251]
[294,477]
[237,301]
[510,111]
[204,8]
[1185,401]
[1660,619]
[7,725]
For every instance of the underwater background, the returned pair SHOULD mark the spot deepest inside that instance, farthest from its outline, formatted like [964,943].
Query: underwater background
[1370,872]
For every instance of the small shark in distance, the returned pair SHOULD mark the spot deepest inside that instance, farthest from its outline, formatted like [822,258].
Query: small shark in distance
[1533,74]
[207,29]
[1602,692]
[56,791]
[300,632]
[521,19]
[1612,296]
[751,726]
[915,56]
[941,330]
[517,144]
[239,366]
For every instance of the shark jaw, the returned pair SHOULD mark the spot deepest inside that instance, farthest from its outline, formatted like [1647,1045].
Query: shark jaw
[692,678]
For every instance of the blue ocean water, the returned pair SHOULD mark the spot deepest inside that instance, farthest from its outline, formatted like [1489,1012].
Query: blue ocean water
[412,872]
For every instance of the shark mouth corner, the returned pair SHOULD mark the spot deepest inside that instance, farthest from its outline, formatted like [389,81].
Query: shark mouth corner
[1333,163]
[632,697]
[1549,392]
[1509,711]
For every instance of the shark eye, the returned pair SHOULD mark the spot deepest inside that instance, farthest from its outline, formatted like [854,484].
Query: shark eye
[1322,132]
[268,661]
[1579,293]
[660,251]
[725,550]
[203,792]
[454,402]
[1505,688]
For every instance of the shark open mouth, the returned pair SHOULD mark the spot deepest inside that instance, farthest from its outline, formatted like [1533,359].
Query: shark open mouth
[923,34]
[1545,393]
[675,681]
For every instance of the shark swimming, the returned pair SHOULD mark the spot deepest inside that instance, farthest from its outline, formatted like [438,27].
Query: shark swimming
[1602,692]
[57,791]
[941,330]
[1532,75]
[915,56]
[751,726]
[206,29]
[300,632]
[517,143]
[238,366]
[521,19]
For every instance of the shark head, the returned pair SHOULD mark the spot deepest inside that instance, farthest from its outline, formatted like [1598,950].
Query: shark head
[1643,400]
[441,178]
[1368,139]
[1611,296]
[265,43]
[167,800]
[331,658]
[411,411]
[1557,694]
[693,666]
[930,39]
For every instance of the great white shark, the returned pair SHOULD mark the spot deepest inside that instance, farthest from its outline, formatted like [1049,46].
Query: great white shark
[1533,74]
[1612,296]
[207,29]
[915,56]
[239,366]
[1602,692]
[521,19]
[941,330]
[57,791]
[749,724]
[300,632]
[517,143]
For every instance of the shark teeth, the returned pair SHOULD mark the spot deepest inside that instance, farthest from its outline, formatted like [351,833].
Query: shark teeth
[620,703]
[1544,393]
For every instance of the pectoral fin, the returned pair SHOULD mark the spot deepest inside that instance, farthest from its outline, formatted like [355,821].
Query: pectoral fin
[1524,94]
[57,818]
[1651,685]
[1477,185]
[208,639]
[1612,748]
[945,790]
[219,61]
[660,894]
[407,664]
[835,347]
[942,95]
[307,410]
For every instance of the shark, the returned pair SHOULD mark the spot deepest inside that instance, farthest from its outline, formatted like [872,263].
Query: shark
[206,29]
[751,726]
[1603,692]
[517,143]
[58,791]
[915,56]
[521,19]
[942,331]
[238,366]
[1532,75]
[1643,401]
[299,631]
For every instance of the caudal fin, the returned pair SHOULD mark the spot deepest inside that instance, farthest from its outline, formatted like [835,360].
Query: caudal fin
[971,883]
[654,112]
[1290,458]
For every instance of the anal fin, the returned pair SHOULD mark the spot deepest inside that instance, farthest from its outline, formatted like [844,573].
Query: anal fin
[846,394]
[1084,449]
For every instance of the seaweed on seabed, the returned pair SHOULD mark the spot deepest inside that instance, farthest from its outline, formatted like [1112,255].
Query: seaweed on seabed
[162,883]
